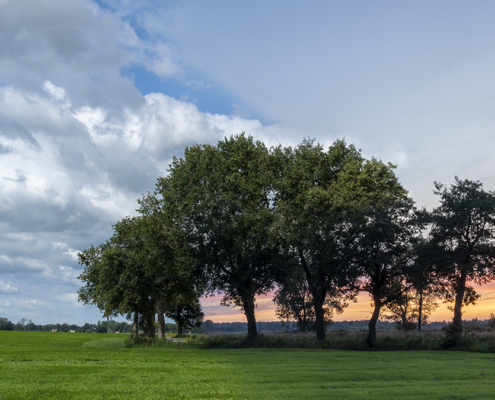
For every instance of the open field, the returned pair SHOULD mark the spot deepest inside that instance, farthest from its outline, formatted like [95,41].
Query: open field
[97,366]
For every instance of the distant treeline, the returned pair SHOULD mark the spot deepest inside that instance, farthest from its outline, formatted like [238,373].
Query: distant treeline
[210,327]
[28,325]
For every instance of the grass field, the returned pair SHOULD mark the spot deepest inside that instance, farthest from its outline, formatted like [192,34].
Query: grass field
[97,366]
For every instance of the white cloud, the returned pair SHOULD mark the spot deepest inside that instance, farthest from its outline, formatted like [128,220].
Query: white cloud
[32,303]
[7,288]
[5,303]
[164,62]
[71,300]
[78,142]
[87,170]
[61,274]
[55,91]
[20,264]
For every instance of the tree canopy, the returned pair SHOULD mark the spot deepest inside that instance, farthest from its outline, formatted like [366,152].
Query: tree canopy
[318,225]
[221,198]
[462,230]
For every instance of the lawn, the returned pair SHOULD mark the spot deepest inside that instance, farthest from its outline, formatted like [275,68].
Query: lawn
[97,366]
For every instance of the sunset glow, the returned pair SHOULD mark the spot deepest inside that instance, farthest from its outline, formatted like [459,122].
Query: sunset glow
[356,311]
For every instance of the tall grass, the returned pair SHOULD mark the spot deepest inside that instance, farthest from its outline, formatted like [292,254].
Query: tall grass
[473,339]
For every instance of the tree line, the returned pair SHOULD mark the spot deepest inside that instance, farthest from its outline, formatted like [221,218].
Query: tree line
[25,324]
[318,225]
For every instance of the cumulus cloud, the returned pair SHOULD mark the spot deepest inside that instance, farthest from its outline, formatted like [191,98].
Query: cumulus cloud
[73,170]
[78,142]
[88,164]
[73,44]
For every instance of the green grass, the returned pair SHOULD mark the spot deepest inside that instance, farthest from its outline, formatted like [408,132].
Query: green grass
[97,366]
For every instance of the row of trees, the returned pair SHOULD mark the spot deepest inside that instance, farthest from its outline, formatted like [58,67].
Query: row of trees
[319,225]
[109,326]
[25,324]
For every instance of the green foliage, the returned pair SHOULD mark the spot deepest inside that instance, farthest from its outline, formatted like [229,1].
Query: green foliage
[379,238]
[187,315]
[6,325]
[313,195]
[463,229]
[220,197]
[142,264]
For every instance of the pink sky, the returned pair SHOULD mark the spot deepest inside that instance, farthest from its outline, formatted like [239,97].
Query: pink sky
[356,311]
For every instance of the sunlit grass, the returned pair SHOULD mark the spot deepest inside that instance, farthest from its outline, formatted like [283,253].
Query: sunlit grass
[96,366]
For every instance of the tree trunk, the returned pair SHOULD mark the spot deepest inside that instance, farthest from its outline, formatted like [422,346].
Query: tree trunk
[420,311]
[146,326]
[179,328]
[149,326]
[249,306]
[371,339]
[404,321]
[135,327]
[152,324]
[160,308]
[319,320]
[459,297]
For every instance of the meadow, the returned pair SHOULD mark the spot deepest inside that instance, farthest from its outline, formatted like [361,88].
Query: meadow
[39,365]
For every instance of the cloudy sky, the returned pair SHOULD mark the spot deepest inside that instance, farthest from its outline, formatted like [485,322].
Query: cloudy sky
[96,97]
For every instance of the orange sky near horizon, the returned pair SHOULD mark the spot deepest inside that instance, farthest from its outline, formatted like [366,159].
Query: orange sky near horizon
[356,311]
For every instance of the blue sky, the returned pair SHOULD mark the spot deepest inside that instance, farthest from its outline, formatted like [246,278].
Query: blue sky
[97,97]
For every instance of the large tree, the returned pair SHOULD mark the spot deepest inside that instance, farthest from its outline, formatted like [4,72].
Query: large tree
[134,271]
[320,198]
[220,196]
[311,218]
[463,228]
[380,237]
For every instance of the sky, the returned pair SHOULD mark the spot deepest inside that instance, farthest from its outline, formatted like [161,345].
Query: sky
[97,97]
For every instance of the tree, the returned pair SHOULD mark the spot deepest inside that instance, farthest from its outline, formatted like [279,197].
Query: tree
[220,197]
[6,325]
[208,325]
[380,238]
[463,229]
[115,283]
[294,302]
[491,321]
[181,274]
[411,309]
[322,197]
[140,266]
[186,314]
[21,325]
[423,276]
[311,218]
